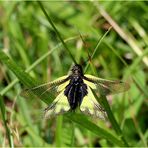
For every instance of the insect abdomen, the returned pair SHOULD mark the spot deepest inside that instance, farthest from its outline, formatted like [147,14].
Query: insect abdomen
[75,92]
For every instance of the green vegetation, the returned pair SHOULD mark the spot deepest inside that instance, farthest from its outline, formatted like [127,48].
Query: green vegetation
[40,42]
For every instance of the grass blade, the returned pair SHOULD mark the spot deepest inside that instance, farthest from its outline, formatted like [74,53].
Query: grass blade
[111,116]
[81,120]
[28,81]
[4,118]
[99,42]
[55,29]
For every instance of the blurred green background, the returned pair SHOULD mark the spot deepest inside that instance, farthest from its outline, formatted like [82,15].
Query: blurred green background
[26,36]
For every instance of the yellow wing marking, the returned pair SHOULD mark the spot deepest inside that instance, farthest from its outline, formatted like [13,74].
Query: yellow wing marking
[50,83]
[62,86]
[59,79]
[90,84]
[59,106]
[90,106]
[93,77]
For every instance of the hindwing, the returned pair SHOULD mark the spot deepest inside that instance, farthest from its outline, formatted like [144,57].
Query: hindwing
[90,106]
[48,91]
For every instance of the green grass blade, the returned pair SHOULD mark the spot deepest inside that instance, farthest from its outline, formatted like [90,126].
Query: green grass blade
[4,118]
[111,116]
[81,120]
[58,137]
[55,29]
[22,75]
[95,50]
[28,81]
[73,135]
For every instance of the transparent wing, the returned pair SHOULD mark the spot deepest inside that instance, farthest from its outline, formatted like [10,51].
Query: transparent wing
[59,106]
[104,86]
[47,90]
[90,106]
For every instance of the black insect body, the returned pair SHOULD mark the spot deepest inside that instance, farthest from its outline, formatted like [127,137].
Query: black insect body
[75,92]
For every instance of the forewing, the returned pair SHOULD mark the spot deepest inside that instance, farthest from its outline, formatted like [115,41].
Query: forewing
[59,106]
[47,90]
[90,106]
[104,86]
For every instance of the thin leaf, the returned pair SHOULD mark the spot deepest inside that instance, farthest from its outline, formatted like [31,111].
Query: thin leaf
[3,112]
[81,120]
[28,81]
[110,116]
[95,50]
[55,29]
